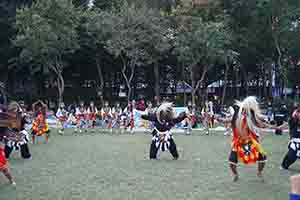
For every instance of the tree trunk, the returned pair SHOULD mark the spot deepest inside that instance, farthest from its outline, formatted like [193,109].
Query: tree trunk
[128,80]
[156,74]
[3,93]
[101,80]
[264,84]
[184,93]
[225,80]
[193,85]
[245,78]
[258,85]
[61,87]
[270,80]
[57,68]
[279,62]
[196,85]
[237,88]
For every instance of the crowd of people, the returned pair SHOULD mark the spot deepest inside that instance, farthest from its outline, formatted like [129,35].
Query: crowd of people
[243,120]
[86,116]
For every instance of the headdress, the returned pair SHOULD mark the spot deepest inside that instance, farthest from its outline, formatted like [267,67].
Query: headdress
[249,110]
[165,112]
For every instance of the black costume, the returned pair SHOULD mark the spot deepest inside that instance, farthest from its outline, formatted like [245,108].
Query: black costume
[162,139]
[294,145]
[19,145]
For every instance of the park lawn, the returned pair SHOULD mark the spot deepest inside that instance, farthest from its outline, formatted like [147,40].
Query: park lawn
[116,167]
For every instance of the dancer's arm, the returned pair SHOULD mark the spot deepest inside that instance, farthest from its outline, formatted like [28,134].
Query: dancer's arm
[283,126]
[180,118]
[37,102]
[34,105]
[224,120]
[149,117]
[261,124]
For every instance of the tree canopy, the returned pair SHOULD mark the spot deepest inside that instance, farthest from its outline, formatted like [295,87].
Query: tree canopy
[100,46]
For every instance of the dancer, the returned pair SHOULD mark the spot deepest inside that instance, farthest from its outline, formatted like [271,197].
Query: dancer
[206,113]
[189,122]
[72,121]
[149,111]
[245,147]
[164,119]
[81,115]
[40,126]
[8,121]
[62,116]
[229,114]
[116,116]
[21,144]
[92,113]
[129,110]
[294,145]
[106,116]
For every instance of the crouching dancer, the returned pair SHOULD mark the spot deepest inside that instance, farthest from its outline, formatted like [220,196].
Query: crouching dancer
[294,145]
[163,119]
[21,144]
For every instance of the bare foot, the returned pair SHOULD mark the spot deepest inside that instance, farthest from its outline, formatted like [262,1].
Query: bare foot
[260,176]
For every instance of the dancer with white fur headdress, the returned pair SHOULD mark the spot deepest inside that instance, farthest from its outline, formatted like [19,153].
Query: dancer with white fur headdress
[245,146]
[164,120]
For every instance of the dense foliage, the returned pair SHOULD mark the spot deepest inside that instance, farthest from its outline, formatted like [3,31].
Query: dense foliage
[149,48]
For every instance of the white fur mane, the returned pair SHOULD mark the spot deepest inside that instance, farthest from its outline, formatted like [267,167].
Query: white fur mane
[245,107]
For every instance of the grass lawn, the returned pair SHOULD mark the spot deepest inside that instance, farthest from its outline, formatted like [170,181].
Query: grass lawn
[116,167]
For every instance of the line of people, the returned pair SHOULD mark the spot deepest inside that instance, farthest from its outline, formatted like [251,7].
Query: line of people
[84,117]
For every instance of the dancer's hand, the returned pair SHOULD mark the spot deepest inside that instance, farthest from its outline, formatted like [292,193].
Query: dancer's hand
[283,126]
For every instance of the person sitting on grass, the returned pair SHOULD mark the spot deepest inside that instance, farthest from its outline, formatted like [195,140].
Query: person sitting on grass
[164,120]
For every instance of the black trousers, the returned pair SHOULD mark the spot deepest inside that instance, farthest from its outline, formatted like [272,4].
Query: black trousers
[25,153]
[289,159]
[172,149]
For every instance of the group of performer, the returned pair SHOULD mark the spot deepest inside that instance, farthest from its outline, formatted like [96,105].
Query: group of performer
[246,121]
[87,117]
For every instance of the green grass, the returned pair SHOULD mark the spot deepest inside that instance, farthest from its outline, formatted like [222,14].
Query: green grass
[116,167]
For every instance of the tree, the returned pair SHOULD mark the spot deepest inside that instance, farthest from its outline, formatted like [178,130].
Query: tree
[200,48]
[46,34]
[138,40]
[97,30]
[262,32]
[7,17]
